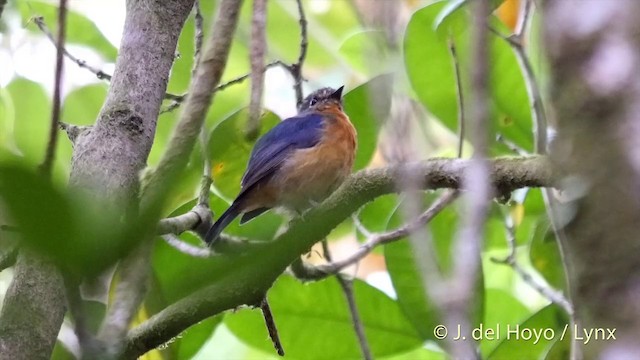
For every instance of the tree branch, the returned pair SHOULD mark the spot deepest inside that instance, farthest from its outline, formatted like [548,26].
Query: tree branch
[257,272]
[468,243]
[35,298]
[258,50]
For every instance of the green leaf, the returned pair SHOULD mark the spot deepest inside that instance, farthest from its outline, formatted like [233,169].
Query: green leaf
[7,119]
[545,255]
[430,67]
[60,352]
[561,349]
[82,105]
[450,7]
[516,346]
[32,117]
[192,339]
[376,214]
[368,106]
[366,52]
[229,150]
[455,5]
[83,237]
[80,30]
[314,322]
[501,309]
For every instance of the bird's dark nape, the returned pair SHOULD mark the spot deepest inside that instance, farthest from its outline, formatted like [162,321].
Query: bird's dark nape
[225,219]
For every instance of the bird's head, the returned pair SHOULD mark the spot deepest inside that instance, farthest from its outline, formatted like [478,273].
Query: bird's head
[322,99]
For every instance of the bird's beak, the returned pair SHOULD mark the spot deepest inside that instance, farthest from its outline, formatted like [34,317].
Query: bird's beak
[337,95]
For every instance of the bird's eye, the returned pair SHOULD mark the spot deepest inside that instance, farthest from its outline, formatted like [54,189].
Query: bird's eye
[313,101]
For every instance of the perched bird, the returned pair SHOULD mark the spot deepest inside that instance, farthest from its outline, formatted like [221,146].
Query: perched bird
[299,162]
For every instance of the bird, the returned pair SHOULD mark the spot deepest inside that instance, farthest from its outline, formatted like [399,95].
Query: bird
[296,164]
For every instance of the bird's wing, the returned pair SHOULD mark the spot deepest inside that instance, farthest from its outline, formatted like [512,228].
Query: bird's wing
[300,132]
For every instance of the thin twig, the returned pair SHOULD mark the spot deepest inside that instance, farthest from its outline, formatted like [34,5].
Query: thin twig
[258,50]
[523,18]
[549,293]
[206,181]
[456,70]
[271,326]
[468,243]
[47,164]
[391,236]
[199,36]
[308,272]
[179,99]
[187,248]
[296,69]
[101,75]
[39,21]
[516,41]
[347,289]
[199,216]
[360,226]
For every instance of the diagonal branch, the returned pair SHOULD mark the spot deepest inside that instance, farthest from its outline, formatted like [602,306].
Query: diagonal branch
[258,50]
[47,164]
[260,267]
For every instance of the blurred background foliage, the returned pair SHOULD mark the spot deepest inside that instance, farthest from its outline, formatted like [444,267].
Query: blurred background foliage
[395,60]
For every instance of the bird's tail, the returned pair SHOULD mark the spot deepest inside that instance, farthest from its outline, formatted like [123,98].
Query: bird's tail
[227,217]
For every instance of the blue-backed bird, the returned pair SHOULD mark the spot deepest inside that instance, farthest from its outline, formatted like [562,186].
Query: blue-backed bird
[299,162]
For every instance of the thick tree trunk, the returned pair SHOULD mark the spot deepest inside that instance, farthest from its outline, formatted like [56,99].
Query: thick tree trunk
[594,51]
[106,165]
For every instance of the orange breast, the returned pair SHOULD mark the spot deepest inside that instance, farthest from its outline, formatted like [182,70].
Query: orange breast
[310,175]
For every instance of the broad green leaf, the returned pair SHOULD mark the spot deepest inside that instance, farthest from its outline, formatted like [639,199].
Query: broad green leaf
[420,354]
[430,68]
[80,30]
[561,349]
[368,106]
[7,119]
[83,237]
[60,352]
[82,105]
[376,214]
[338,18]
[32,117]
[314,321]
[545,255]
[501,309]
[366,52]
[229,150]
[517,344]
[192,339]
[448,9]
[455,5]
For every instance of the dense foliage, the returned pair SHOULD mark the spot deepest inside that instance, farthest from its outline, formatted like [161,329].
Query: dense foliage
[313,319]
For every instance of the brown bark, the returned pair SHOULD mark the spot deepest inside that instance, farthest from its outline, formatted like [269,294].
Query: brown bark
[594,50]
